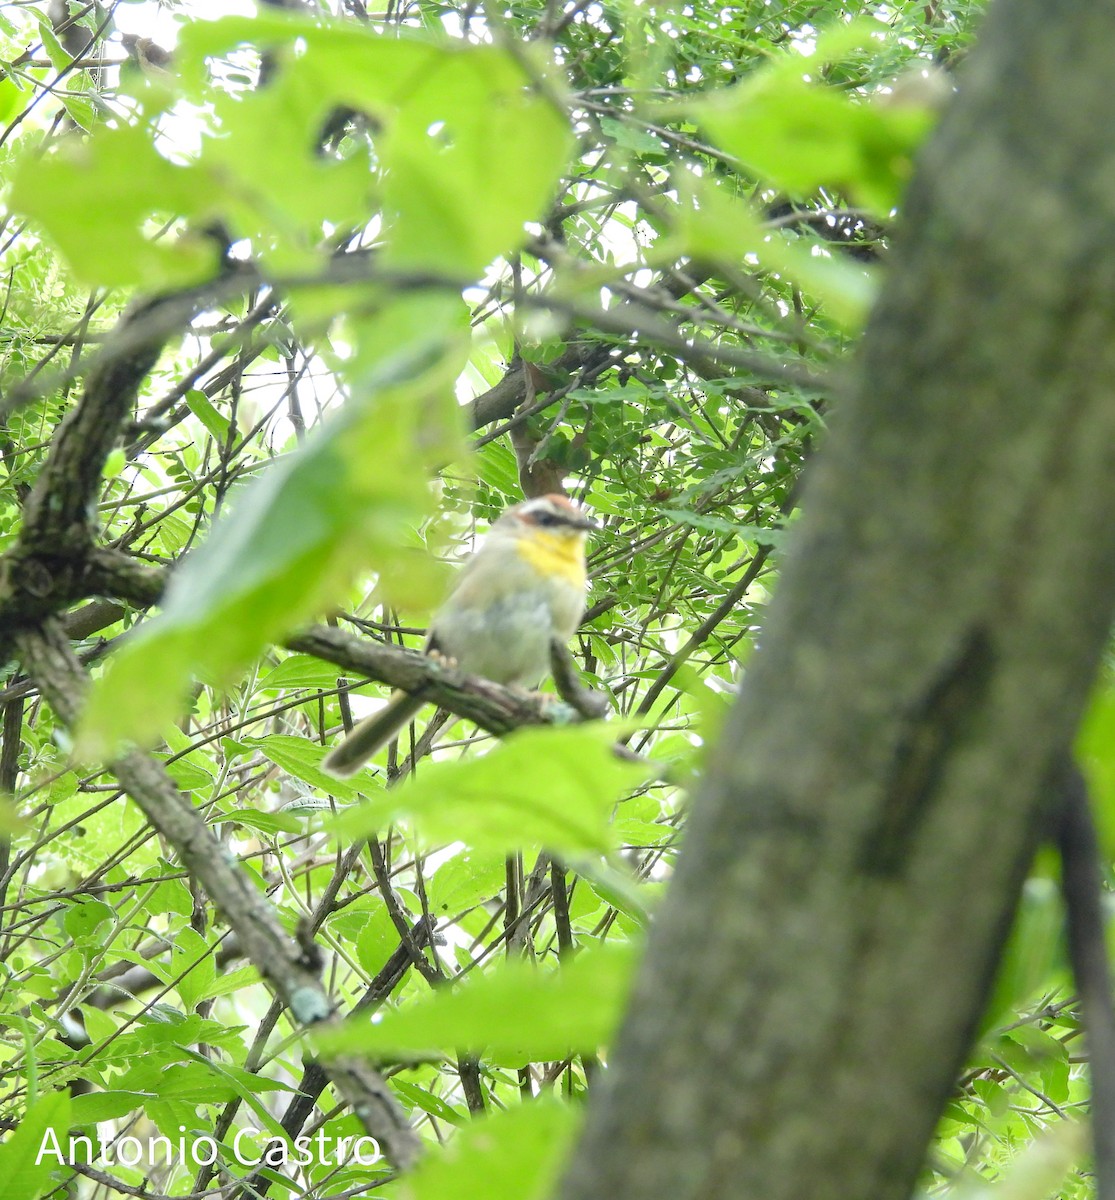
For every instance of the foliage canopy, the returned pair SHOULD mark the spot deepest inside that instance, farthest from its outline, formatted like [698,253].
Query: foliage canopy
[390,269]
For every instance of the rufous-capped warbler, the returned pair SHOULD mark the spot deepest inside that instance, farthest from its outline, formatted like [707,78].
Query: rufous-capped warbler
[522,589]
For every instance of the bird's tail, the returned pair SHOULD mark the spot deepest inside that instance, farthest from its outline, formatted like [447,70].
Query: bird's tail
[371,735]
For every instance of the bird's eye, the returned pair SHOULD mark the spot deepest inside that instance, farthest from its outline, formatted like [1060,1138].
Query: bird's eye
[547,520]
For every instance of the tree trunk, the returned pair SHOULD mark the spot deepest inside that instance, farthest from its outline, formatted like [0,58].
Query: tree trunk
[855,857]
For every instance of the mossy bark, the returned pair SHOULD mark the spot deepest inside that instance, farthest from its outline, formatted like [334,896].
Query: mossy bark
[854,860]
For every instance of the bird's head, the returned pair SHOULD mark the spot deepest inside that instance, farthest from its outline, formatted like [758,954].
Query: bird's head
[550,532]
[556,514]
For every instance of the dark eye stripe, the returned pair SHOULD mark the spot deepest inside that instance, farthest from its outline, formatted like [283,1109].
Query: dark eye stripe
[547,516]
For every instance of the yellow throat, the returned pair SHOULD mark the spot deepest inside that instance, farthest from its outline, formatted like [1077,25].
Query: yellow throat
[556,554]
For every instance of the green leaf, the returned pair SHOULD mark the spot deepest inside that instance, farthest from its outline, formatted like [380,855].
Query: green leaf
[425,1100]
[92,1107]
[472,119]
[753,533]
[227,982]
[83,920]
[799,136]
[994,1095]
[1095,751]
[1032,953]
[295,543]
[631,137]
[300,671]
[11,99]
[80,110]
[549,787]
[95,197]
[302,758]
[376,940]
[42,1134]
[202,408]
[517,1153]
[511,1016]
[268,823]
[247,1085]
[1039,1169]
[616,887]
[467,879]
[60,57]
[451,119]
[715,224]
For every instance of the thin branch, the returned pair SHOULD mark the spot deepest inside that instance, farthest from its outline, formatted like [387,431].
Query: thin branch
[280,960]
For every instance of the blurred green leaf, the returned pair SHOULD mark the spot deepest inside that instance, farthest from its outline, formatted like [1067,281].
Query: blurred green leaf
[295,543]
[202,408]
[472,119]
[124,183]
[10,99]
[1095,751]
[539,787]
[717,225]
[517,1153]
[511,1016]
[1037,1172]
[1032,954]
[450,119]
[799,135]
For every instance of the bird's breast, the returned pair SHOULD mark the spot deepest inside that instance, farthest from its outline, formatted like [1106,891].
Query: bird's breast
[505,611]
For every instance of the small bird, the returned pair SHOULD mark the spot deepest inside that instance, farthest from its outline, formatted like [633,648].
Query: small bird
[522,589]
